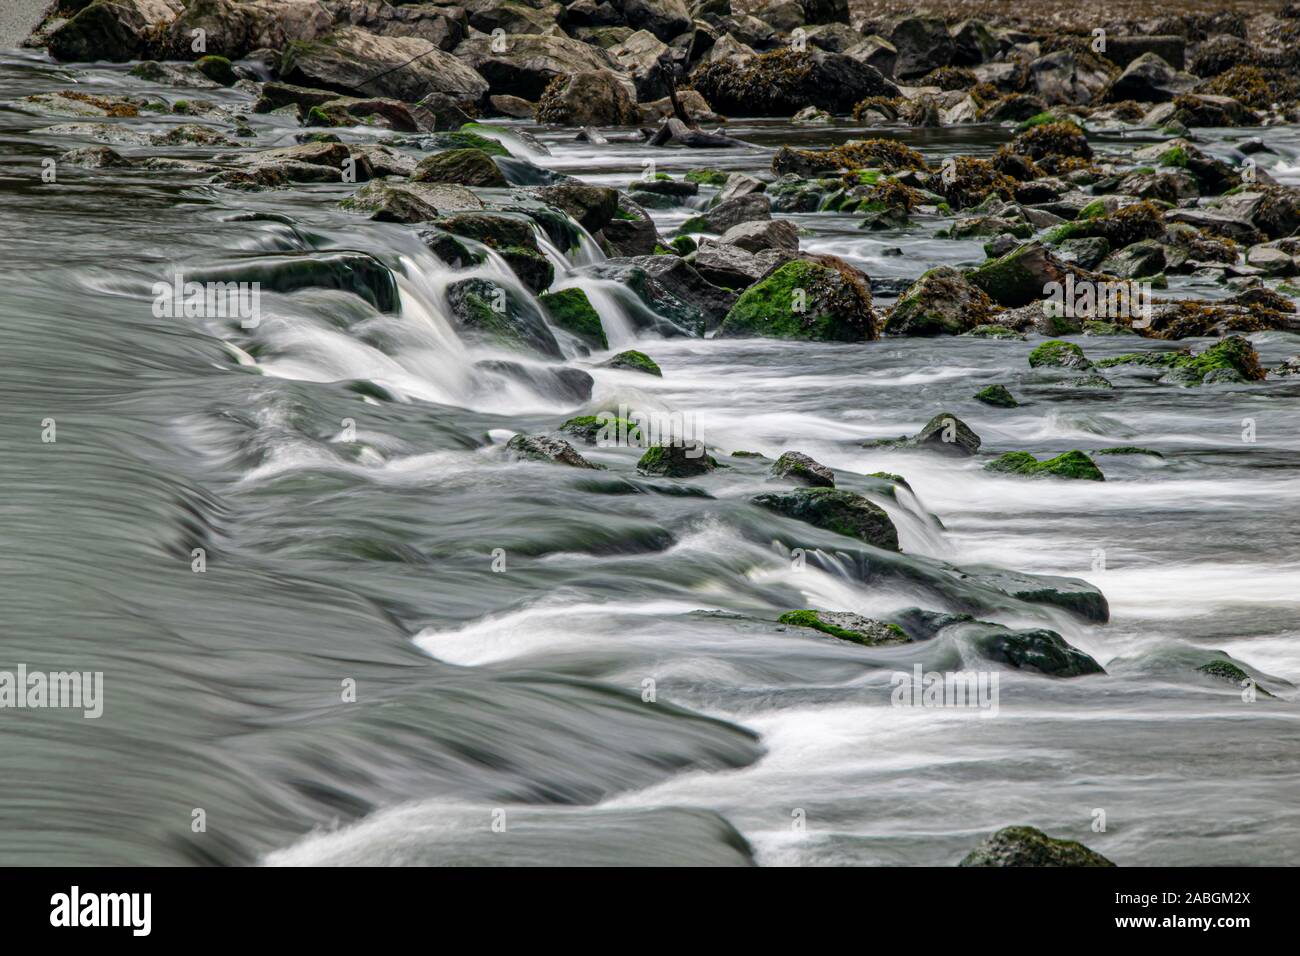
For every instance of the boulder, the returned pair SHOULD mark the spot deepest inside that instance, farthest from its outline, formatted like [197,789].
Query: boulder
[495,315]
[831,509]
[733,212]
[1149,79]
[571,310]
[785,81]
[546,448]
[591,206]
[359,63]
[756,236]
[945,433]
[847,626]
[443,26]
[528,63]
[685,459]
[237,28]
[1019,277]
[797,467]
[1123,50]
[638,56]
[464,167]
[923,44]
[676,297]
[1037,650]
[589,98]
[1072,464]
[732,267]
[819,298]
[1063,77]
[664,18]
[115,30]
[411,202]
[941,302]
[1027,846]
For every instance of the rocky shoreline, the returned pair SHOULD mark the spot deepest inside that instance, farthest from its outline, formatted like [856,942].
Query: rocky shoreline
[1080,238]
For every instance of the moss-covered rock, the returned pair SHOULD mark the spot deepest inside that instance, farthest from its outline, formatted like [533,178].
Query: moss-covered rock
[1037,649]
[1027,846]
[1072,464]
[941,302]
[465,167]
[847,627]
[1019,277]
[681,460]
[822,300]
[843,512]
[996,395]
[1058,354]
[571,310]
[1231,360]
[1052,140]
[603,429]
[888,155]
[1128,450]
[993,330]
[633,361]
[798,467]
[496,315]
[218,69]
[1230,673]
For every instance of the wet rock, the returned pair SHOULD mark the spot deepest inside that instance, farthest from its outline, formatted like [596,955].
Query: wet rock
[631,232]
[783,82]
[941,302]
[732,212]
[634,361]
[1232,359]
[528,63]
[736,185]
[571,310]
[411,202]
[973,43]
[1058,354]
[732,267]
[847,626]
[1072,464]
[1037,650]
[443,26]
[496,315]
[756,236]
[590,98]
[1067,77]
[357,273]
[94,157]
[1149,79]
[547,448]
[1085,252]
[923,44]
[945,433]
[592,206]
[639,56]
[842,512]
[1137,261]
[676,297]
[876,52]
[237,29]
[1123,50]
[798,467]
[815,299]
[996,395]
[664,18]
[463,167]
[1027,846]
[360,63]
[513,106]
[488,16]
[115,30]
[681,460]
[1019,277]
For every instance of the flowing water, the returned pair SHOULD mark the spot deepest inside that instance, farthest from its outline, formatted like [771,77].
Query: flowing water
[501,712]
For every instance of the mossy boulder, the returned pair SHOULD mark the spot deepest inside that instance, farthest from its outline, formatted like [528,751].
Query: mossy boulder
[996,395]
[1072,464]
[784,81]
[1027,846]
[1230,360]
[465,167]
[217,69]
[798,467]
[679,460]
[832,509]
[603,429]
[1019,277]
[571,310]
[821,300]
[496,315]
[941,302]
[847,627]
[1058,354]
[633,361]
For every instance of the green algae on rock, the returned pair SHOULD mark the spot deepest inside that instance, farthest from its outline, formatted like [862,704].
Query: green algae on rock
[1230,360]
[633,361]
[796,466]
[941,302]
[1072,464]
[603,429]
[996,395]
[1037,649]
[683,460]
[822,300]
[1058,354]
[571,310]
[847,627]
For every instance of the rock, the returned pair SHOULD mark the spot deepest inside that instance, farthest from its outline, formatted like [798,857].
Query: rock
[639,56]
[731,267]
[751,207]
[1068,78]
[375,111]
[847,627]
[1136,261]
[824,11]
[737,185]
[568,385]
[973,43]
[1038,650]
[811,115]
[528,63]
[571,310]
[94,157]
[1232,359]
[359,63]
[237,29]
[411,202]
[1072,464]
[496,315]
[217,69]
[1123,50]
[923,44]
[591,98]
[1085,252]
[876,52]
[941,302]
[843,512]
[664,18]
[443,26]
[512,237]
[634,361]
[682,460]
[114,30]
[1058,354]
[996,395]
[547,448]
[945,433]
[592,206]
[488,16]
[355,273]
[678,299]
[1149,79]
[1027,846]
[785,81]
[756,236]
[816,299]
[631,232]
[513,106]
[464,167]
[1019,277]
[798,467]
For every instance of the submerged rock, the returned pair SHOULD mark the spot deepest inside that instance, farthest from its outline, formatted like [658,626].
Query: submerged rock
[1072,464]
[843,512]
[1027,846]
[847,627]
